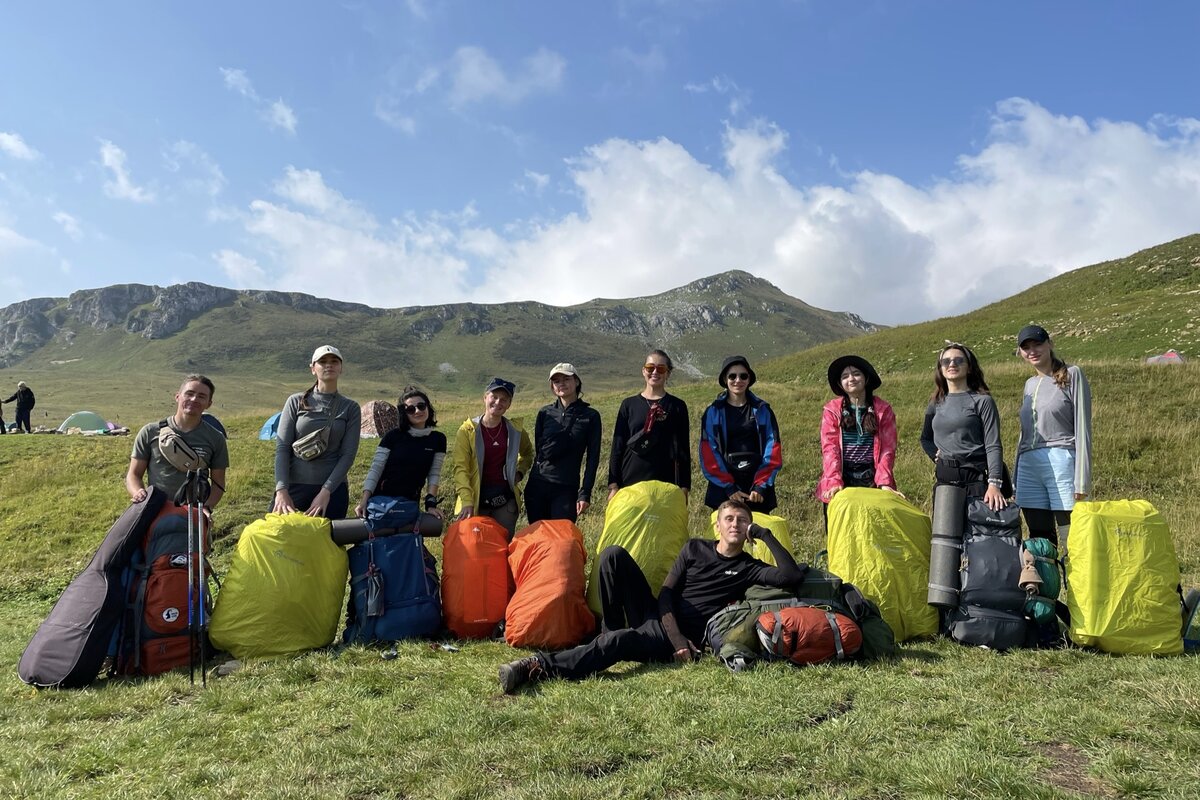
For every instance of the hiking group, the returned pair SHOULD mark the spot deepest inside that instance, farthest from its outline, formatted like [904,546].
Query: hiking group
[740,455]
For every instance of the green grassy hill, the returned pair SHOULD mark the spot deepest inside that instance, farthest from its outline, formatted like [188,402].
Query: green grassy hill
[940,721]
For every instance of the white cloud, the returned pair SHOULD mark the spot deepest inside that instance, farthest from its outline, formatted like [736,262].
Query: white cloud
[14,146]
[242,271]
[1046,193]
[722,85]
[476,76]
[533,183]
[277,113]
[69,224]
[121,186]
[387,109]
[203,174]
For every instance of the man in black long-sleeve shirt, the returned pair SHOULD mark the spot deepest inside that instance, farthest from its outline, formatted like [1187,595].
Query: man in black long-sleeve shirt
[706,577]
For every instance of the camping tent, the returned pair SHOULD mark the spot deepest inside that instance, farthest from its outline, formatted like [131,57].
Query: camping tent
[378,417]
[85,421]
[1169,357]
[270,427]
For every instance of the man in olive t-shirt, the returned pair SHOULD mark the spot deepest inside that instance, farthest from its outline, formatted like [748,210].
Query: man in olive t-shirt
[191,401]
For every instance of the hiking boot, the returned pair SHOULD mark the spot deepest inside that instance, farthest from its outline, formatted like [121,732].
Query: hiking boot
[516,674]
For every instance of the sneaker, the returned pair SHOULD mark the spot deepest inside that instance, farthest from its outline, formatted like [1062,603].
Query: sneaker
[516,674]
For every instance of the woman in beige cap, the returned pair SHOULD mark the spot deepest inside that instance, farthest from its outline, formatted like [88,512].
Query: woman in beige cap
[316,444]
[566,431]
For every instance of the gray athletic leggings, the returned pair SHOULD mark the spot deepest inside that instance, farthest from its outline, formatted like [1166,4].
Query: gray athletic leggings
[506,515]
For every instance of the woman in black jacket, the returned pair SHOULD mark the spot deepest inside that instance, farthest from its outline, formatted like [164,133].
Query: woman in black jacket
[650,439]
[566,431]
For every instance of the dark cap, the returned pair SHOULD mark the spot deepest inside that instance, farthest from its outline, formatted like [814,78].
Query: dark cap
[729,362]
[500,383]
[839,365]
[1035,332]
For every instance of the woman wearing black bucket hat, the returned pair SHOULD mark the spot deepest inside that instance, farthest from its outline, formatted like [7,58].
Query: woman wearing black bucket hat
[740,449]
[858,431]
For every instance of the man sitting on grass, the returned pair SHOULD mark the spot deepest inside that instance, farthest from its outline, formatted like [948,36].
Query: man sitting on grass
[188,438]
[705,578]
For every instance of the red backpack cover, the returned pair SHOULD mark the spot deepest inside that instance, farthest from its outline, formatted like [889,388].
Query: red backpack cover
[476,583]
[808,635]
[548,609]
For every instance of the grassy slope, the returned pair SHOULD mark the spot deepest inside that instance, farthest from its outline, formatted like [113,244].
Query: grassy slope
[940,721]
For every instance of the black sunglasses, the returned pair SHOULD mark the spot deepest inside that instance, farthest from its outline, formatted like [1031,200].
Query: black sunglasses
[737,376]
[415,408]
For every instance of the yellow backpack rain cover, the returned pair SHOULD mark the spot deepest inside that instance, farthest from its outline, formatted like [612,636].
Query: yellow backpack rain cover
[649,519]
[1122,579]
[777,526]
[880,542]
[284,590]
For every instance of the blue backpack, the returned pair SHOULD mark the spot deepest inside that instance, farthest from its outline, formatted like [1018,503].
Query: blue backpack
[394,590]
[392,513]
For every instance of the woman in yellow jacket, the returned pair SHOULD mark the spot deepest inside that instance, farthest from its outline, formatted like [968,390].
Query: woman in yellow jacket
[491,456]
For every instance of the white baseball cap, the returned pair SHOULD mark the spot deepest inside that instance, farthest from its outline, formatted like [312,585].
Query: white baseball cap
[325,350]
[564,368]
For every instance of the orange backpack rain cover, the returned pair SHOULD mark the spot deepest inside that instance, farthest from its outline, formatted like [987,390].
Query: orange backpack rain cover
[475,581]
[548,608]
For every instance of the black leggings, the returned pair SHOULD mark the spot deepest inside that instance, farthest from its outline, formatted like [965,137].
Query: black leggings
[545,500]
[1045,524]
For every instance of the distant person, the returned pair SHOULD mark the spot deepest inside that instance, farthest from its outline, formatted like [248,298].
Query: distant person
[1054,454]
[316,444]
[409,457]
[492,454]
[962,428]
[740,448]
[160,449]
[707,576]
[566,432]
[3,426]
[650,438]
[25,403]
[858,431]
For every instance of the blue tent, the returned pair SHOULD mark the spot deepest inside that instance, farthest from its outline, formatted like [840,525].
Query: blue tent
[270,427]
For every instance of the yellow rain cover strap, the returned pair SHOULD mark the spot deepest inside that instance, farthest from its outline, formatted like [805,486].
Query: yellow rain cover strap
[777,526]
[1122,578]
[880,542]
[648,519]
[284,590]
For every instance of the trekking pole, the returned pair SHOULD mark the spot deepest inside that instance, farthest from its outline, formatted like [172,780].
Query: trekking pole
[202,490]
[189,506]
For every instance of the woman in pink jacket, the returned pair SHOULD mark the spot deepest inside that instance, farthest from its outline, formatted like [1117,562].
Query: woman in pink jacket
[858,431]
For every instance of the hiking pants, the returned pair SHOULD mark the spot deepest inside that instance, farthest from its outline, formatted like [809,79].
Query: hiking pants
[626,600]
[23,419]
[545,500]
[303,494]
[506,515]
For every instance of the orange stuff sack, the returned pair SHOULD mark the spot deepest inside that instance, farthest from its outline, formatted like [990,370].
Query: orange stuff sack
[808,635]
[548,608]
[475,579]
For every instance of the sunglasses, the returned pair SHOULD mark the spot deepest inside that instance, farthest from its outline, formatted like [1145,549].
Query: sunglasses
[415,408]
[738,376]
[661,369]
[953,361]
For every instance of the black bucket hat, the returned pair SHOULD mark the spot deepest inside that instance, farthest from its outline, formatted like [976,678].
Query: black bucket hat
[729,362]
[864,366]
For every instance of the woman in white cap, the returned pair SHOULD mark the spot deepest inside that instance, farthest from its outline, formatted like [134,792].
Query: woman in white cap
[858,431]
[491,456]
[1054,453]
[316,443]
[566,431]
[740,449]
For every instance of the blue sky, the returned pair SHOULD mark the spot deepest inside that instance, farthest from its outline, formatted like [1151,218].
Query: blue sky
[899,160]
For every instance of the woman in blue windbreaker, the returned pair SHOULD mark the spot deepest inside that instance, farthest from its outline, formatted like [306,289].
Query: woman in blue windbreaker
[740,449]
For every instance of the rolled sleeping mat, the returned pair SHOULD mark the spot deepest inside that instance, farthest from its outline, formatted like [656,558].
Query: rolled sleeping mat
[353,531]
[945,556]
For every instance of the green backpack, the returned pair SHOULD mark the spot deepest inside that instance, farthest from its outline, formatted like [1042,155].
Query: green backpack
[1041,606]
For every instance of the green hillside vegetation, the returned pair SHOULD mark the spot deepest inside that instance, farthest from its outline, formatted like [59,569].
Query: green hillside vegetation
[940,721]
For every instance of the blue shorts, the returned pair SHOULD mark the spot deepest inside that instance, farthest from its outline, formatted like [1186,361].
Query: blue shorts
[1046,479]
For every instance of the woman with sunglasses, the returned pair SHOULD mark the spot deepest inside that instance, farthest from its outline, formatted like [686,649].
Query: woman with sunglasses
[566,431]
[740,449]
[409,457]
[962,428]
[650,439]
[1054,453]
[312,477]
[492,454]
[858,431]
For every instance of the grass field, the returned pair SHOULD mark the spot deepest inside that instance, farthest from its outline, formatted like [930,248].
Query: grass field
[941,720]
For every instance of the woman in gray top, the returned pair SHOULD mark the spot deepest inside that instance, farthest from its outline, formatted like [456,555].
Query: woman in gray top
[1054,453]
[314,480]
[962,428]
